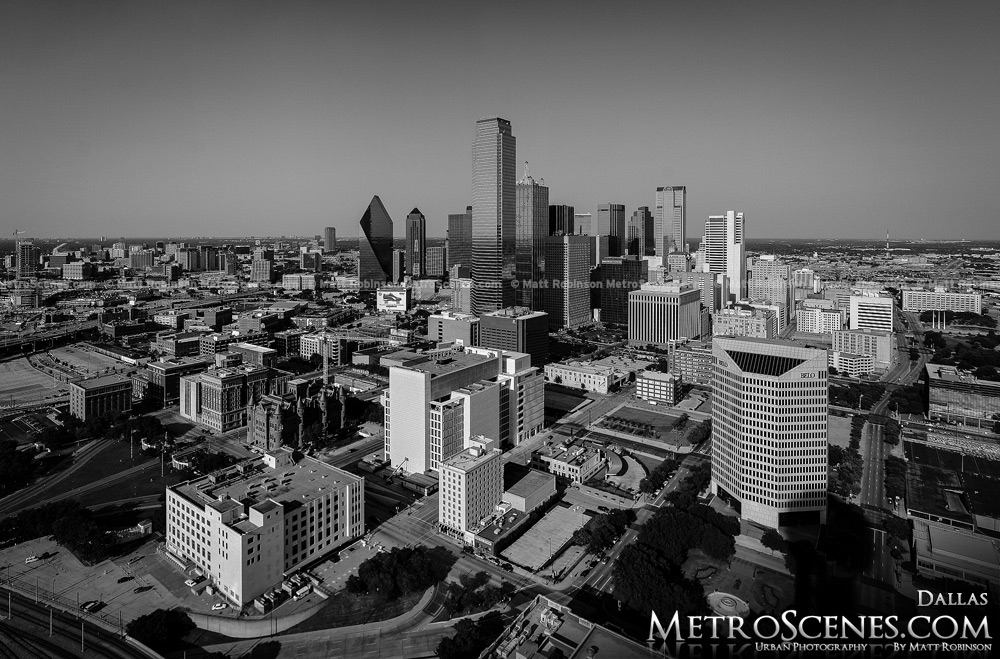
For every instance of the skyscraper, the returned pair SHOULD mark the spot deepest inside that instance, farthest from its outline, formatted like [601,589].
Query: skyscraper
[725,250]
[375,246]
[567,274]
[27,258]
[769,430]
[416,244]
[329,239]
[532,230]
[670,220]
[619,275]
[611,223]
[494,216]
[460,238]
[639,233]
[561,220]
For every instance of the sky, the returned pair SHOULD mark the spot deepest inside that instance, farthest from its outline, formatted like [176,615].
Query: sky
[816,119]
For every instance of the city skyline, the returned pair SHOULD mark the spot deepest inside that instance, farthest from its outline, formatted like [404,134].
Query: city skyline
[229,119]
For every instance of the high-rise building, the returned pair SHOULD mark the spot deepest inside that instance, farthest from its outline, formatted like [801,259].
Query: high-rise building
[583,223]
[437,262]
[713,287]
[532,230]
[639,233]
[398,265]
[517,329]
[769,430]
[262,270]
[939,299]
[816,320]
[27,258]
[330,239]
[770,280]
[416,244]
[617,277]
[375,246]
[611,223]
[460,238]
[670,224]
[448,327]
[725,250]
[661,313]
[874,312]
[567,285]
[561,220]
[494,215]
[471,486]
[743,320]
[865,342]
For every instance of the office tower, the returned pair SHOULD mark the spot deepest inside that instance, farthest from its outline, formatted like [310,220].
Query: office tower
[617,277]
[816,320]
[448,327]
[532,230]
[561,220]
[249,533]
[228,263]
[878,345]
[873,312]
[375,247]
[437,262]
[90,399]
[523,396]
[582,223]
[460,238]
[661,313]
[567,281]
[262,271]
[670,225]
[517,329]
[779,309]
[311,261]
[471,486]
[141,259]
[599,249]
[398,265]
[330,239]
[416,244]
[678,262]
[725,250]
[770,280]
[434,403]
[209,257]
[611,223]
[713,287]
[494,215]
[769,430]
[638,233]
[189,258]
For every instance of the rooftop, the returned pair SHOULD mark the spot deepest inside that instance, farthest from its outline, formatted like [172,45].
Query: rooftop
[470,459]
[530,482]
[453,362]
[103,381]
[952,374]
[515,312]
[259,485]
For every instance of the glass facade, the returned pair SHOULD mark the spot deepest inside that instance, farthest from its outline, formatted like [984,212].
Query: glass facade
[532,230]
[375,246]
[416,244]
[494,216]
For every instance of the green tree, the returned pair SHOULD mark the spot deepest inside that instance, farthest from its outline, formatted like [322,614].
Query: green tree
[161,629]
[16,467]
[773,541]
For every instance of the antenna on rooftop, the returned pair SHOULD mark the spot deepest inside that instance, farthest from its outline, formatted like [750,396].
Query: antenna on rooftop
[526,176]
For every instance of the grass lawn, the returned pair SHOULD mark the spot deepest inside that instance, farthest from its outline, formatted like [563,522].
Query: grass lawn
[343,609]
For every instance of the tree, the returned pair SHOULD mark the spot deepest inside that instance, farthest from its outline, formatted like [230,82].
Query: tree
[773,541]
[16,467]
[470,638]
[163,628]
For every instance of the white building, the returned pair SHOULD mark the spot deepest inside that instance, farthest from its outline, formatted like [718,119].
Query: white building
[248,526]
[866,342]
[818,321]
[939,300]
[601,379]
[725,250]
[300,282]
[769,430]
[874,312]
[658,387]
[851,364]
[745,321]
[660,313]
[471,485]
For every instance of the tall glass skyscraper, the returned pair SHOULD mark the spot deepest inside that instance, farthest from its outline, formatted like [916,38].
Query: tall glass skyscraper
[725,250]
[532,230]
[670,220]
[611,223]
[460,238]
[375,246]
[416,244]
[494,216]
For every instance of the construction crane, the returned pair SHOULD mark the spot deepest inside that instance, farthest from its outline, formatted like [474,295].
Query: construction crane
[17,232]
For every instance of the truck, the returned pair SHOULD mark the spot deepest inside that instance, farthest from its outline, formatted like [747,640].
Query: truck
[302,592]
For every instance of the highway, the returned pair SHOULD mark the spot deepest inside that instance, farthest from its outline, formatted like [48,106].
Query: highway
[15,502]
[872,494]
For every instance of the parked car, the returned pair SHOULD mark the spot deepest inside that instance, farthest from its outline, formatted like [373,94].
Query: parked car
[142,589]
[125,578]
[31,559]
[218,606]
[190,583]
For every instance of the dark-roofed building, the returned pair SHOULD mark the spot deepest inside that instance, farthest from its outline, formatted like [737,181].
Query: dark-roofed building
[527,489]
